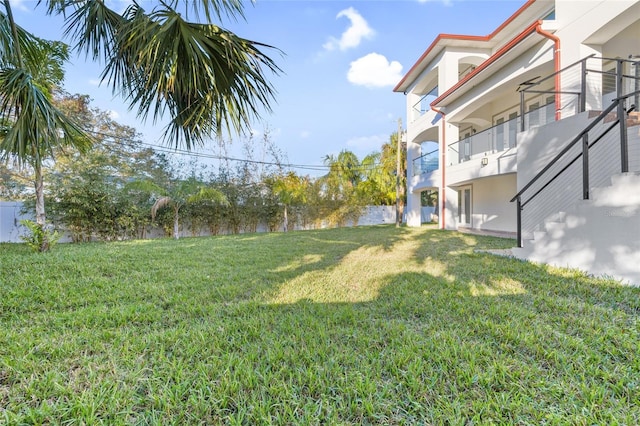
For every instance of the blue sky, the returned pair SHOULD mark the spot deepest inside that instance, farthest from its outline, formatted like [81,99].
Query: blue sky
[340,62]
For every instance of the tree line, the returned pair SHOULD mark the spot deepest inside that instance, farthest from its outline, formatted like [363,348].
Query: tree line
[121,188]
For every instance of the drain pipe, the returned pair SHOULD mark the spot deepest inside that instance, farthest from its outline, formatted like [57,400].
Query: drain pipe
[442,165]
[556,59]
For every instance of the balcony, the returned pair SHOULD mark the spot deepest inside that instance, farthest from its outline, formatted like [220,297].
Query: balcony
[498,138]
[424,104]
[426,163]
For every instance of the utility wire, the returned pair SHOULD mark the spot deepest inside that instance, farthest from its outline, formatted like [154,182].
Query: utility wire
[167,150]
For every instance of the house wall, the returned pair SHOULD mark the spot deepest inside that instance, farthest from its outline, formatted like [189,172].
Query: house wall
[537,147]
[491,209]
[598,24]
[499,163]
[450,213]
[493,89]
[584,27]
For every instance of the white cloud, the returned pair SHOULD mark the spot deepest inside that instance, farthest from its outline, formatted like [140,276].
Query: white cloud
[114,115]
[19,5]
[94,82]
[305,134]
[374,70]
[368,144]
[357,31]
[445,2]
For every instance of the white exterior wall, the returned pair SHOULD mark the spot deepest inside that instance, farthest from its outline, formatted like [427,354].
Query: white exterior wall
[450,214]
[585,28]
[536,148]
[492,88]
[413,214]
[491,209]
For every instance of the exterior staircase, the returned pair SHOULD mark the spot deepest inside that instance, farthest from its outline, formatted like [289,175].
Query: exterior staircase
[600,235]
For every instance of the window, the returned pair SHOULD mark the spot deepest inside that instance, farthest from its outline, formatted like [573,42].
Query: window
[464,206]
[513,129]
[534,114]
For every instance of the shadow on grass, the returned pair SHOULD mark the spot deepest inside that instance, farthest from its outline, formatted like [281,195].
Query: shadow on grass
[372,325]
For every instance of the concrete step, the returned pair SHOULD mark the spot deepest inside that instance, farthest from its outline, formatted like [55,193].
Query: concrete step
[623,191]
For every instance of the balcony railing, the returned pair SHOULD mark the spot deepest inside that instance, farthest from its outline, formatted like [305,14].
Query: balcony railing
[500,137]
[424,104]
[426,163]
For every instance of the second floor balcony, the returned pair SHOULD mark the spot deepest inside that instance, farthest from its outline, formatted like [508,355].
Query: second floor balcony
[500,137]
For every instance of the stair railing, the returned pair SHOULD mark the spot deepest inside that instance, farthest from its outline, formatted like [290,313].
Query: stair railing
[583,136]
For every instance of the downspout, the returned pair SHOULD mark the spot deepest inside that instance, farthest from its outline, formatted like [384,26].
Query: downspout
[442,165]
[557,68]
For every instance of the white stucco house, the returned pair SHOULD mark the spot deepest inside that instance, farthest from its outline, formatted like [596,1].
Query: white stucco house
[533,131]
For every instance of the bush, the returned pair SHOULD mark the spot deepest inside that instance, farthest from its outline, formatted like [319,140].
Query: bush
[39,239]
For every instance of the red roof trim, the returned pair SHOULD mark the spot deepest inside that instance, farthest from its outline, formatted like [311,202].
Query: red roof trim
[463,37]
[504,49]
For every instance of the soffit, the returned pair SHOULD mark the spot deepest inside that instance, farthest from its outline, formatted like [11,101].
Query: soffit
[512,54]
[531,11]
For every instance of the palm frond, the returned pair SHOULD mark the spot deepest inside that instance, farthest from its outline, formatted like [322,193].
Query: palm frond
[160,203]
[37,125]
[209,10]
[208,194]
[145,185]
[91,24]
[206,78]
[26,42]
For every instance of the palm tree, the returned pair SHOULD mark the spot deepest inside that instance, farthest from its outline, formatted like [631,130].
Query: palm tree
[207,78]
[344,174]
[30,70]
[290,190]
[377,186]
[179,194]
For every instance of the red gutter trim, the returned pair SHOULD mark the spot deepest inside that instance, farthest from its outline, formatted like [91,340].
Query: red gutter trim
[556,58]
[463,37]
[504,49]
[443,195]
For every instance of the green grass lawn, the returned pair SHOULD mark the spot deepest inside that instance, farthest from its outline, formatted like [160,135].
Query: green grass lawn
[369,325]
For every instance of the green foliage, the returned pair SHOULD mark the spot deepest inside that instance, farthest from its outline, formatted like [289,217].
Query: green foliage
[207,78]
[429,198]
[368,325]
[182,192]
[91,194]
[40,238]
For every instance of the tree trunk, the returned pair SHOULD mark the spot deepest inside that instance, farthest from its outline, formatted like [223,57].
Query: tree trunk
[40,213]
[39,187]
[286,219]
[176,224]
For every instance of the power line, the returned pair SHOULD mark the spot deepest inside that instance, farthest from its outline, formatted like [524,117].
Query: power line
[167,150]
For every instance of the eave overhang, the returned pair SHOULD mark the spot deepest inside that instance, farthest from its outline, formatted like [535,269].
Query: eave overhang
[505,54]
[534,9]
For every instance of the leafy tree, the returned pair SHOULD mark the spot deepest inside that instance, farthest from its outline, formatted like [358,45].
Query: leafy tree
[88,192]
[207,78]
[13,182]
[344,175]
